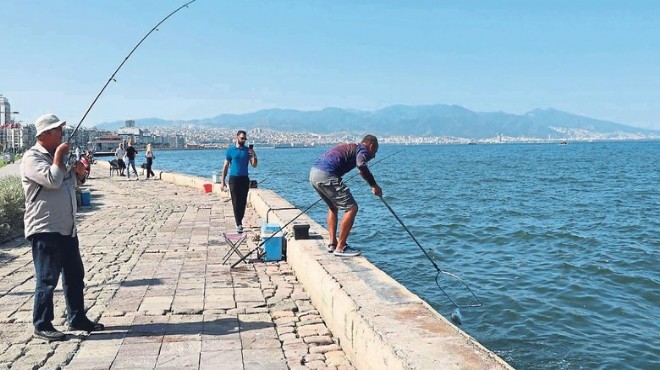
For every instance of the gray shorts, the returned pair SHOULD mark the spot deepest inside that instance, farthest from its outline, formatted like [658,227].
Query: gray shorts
[332,189]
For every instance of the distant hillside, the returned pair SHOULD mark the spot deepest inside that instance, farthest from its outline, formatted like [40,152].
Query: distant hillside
[425,120]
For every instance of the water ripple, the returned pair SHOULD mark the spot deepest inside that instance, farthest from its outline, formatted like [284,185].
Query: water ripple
[561,243]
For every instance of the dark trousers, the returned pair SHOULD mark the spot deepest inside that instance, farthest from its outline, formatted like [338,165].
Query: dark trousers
[54,253]
[150,161]
[239,187]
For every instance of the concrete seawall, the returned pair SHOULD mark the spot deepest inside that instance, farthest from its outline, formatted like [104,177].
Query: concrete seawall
[378,322]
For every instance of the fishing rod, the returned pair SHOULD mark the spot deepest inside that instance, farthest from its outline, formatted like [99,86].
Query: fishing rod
[456,316]
[112,78]
[302,213]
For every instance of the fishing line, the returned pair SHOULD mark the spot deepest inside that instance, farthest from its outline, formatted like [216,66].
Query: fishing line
[456,315]
[70,161]
[303,212]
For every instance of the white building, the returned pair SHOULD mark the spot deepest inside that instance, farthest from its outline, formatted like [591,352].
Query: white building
[5,111]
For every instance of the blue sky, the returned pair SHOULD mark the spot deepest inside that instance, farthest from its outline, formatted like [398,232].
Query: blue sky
[595,58]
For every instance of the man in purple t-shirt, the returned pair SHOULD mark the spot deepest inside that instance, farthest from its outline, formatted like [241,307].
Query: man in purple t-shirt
[326,179]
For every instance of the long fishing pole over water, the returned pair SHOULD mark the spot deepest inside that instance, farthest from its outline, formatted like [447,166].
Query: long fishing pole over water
[112,78]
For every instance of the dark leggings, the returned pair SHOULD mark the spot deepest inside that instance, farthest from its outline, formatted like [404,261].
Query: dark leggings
[239,187]
[150,161]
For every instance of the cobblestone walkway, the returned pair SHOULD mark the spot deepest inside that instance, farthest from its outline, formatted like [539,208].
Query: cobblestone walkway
[152,253]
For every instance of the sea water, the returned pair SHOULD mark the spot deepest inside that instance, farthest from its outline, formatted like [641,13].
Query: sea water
[560,242]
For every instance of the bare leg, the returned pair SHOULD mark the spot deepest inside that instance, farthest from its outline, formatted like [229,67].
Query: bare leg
[332,225]
[346,226]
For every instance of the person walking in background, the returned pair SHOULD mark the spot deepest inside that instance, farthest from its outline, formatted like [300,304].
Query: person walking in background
[236,163]
[326,178]
[87,163]
[50,227]
[149,154]
[131,152]
[119,156]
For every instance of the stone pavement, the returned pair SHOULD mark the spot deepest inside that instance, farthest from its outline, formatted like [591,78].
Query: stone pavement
[11,169]
[152,253]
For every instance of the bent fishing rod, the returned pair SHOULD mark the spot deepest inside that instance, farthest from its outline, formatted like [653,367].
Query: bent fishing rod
[112,78]
[437,268]
[302,213]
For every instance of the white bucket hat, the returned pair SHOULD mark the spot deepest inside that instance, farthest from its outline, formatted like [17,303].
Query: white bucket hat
[47,122]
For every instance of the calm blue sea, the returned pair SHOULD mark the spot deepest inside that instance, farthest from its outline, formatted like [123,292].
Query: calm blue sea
[560,242]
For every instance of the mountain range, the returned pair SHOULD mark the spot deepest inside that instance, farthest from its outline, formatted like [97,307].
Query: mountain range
[423,120]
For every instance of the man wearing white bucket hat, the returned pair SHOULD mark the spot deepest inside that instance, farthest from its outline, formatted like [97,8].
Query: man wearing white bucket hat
[50,226]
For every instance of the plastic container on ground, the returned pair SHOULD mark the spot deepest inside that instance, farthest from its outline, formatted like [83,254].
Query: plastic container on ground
[300,231]
[216,177]
[273,246]
[85,197]
[208,188]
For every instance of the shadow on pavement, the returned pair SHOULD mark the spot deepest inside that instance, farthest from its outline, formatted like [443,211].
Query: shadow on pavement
[216,327]
[141,282]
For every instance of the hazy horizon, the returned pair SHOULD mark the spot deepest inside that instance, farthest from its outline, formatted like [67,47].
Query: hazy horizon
[590,58]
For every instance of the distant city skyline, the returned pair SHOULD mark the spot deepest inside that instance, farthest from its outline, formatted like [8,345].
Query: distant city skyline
[593,58]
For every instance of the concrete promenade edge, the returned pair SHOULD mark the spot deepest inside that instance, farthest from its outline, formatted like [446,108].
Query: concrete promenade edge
[152,252]
[378,322]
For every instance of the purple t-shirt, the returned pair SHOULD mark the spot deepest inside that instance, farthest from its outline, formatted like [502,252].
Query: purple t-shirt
[342,158]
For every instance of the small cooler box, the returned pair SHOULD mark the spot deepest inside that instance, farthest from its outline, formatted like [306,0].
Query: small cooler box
[273,246]
[215,177]
[85,197]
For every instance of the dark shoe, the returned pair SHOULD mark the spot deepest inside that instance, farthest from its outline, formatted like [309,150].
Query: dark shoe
[87,326]
[331,247]
[49,335]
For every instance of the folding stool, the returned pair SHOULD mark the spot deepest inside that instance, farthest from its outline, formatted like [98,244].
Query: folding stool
[234,241]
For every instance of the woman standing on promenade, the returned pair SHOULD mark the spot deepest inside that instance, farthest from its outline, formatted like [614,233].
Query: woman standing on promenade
[119,156]
[150,160]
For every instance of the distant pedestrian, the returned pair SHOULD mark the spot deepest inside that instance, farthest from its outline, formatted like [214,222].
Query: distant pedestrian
[120,153]
[149,154]
[236,163]
[326,179]
[87,163]
[131,152]
[50,226]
